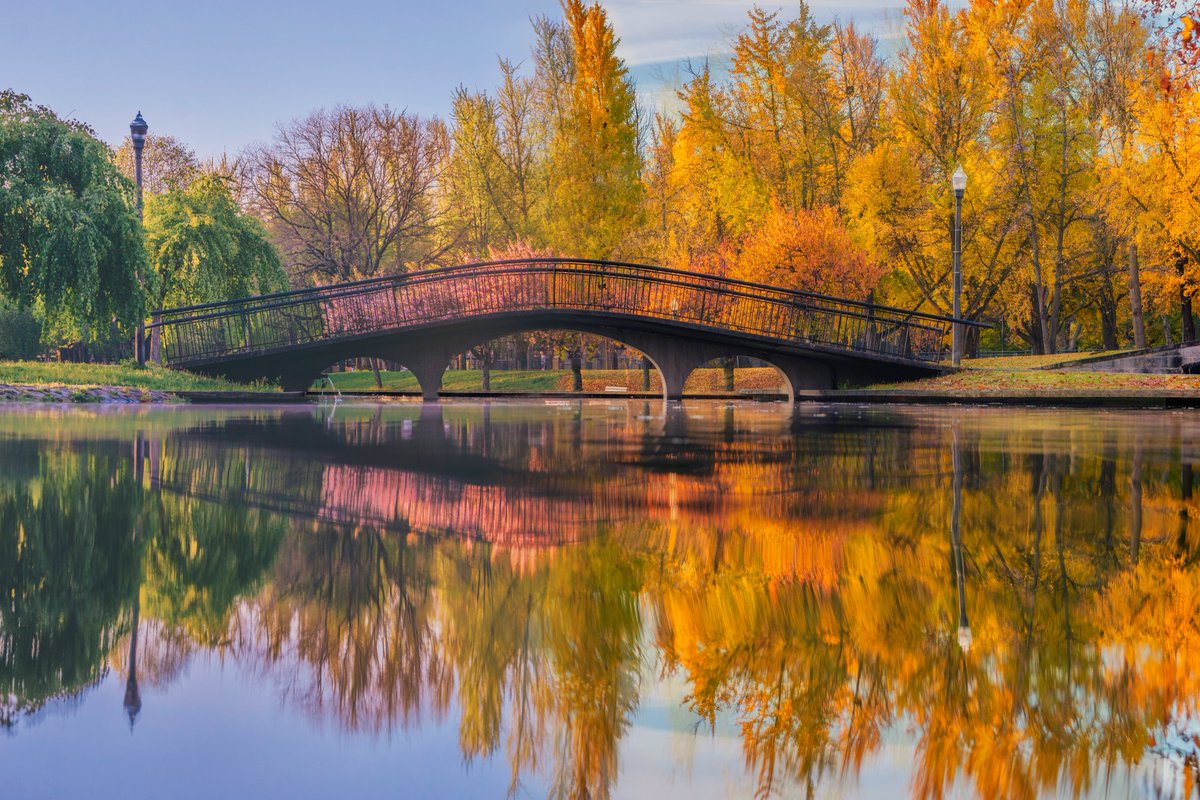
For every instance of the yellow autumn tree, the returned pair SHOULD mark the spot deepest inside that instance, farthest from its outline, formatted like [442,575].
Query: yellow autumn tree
[593,157]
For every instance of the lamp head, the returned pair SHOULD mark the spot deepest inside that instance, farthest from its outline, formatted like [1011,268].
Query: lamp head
[965,639]
[137,131]
[959,180]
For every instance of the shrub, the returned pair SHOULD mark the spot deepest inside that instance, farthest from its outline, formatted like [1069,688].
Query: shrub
[20,335]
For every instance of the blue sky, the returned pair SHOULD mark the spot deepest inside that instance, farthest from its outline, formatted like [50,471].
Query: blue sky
[220,75]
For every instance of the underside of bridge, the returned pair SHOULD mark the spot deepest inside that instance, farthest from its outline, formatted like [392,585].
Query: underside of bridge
[675,350]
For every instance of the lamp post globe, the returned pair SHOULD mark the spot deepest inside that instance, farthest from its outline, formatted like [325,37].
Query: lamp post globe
[958,182]
[137,135]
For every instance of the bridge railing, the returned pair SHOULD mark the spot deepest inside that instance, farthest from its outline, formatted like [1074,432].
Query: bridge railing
[288,319]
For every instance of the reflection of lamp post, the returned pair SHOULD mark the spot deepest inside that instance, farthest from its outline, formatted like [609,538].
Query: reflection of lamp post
[959,181]
[137,134]
[133,698]
[964,627]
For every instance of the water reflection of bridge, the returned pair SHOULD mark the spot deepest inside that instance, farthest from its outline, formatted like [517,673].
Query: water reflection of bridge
[417,479]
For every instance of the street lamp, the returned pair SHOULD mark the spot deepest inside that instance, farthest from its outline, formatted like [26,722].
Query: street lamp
[137,134]
[959,181]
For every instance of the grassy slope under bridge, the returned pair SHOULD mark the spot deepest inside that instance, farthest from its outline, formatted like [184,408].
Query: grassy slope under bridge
[702,381]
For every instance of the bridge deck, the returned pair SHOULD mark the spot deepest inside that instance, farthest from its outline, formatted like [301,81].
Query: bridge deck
[269,322]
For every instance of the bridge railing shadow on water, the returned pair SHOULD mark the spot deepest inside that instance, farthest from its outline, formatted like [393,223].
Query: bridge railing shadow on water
[678,298]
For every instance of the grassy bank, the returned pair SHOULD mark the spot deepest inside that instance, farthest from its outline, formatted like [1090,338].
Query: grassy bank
[1011,374]
[38,373]
[1033,362]
[1014,374]
[1032,381]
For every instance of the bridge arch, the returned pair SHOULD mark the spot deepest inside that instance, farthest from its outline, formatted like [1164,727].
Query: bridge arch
[428,358]
[778,381]
[674,358]
[678,319]
[321,366]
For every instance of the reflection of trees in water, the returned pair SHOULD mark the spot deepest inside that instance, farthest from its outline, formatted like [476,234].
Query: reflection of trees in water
[1048,693]
[80,542]
[68,567]
[817,629]
[806,586]
[376,631]
[345,628]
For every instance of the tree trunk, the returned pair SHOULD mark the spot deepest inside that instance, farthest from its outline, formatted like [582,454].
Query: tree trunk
[971,343]
[645,374]
[727,367]
[576,371]
[487,375]
[1106,305]
[1188,323]
[1135,298]
[375,368]
[1073,331]
[1037,332]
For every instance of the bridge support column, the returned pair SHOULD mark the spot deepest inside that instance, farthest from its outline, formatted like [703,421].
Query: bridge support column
[428,367]
[804,374]
[676,359]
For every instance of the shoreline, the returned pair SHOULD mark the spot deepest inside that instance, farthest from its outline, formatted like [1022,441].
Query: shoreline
[1099,399]
[133,395]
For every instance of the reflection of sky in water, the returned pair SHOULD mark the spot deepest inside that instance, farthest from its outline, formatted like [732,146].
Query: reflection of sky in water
[214,733]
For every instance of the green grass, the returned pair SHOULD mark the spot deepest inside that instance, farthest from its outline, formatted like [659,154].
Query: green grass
[1009,374]
[468,380]
[702,381]
[42,373]
[1022,377]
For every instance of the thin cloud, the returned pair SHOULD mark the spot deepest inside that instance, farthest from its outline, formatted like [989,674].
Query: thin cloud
[657,31]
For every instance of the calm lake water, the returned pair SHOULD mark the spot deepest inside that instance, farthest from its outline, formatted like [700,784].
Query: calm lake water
[593,599]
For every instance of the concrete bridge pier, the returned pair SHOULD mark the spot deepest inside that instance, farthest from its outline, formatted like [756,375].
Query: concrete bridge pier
[428,366]
[677,358]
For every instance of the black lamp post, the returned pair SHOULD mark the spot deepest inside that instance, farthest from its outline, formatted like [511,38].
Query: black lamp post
[959,181]
[137,134]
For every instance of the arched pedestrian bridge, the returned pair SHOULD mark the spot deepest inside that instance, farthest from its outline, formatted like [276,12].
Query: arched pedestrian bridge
[679,320]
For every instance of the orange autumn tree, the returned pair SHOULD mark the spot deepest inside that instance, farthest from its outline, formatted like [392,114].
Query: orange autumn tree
[807,249]
[1161,172]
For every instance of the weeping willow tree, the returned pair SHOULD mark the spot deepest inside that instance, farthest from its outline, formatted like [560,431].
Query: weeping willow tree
[70,244]
[203,248]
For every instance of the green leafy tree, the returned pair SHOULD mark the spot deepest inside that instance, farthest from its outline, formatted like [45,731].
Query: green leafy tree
[70,244]
[203,248]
